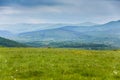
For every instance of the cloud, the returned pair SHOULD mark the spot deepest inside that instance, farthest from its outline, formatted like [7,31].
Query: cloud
[34,21]
[8,11]
[4,19]
[60,11]
[29,3]
[113,0]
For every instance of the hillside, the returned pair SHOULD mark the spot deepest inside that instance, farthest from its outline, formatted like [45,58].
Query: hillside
[9,43]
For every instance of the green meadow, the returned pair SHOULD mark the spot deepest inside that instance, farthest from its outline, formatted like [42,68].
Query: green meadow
[59,64]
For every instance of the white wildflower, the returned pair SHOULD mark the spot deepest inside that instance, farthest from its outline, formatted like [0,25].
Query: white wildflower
[16,70]
[115,72]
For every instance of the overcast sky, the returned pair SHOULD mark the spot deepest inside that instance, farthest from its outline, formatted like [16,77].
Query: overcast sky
[58,11]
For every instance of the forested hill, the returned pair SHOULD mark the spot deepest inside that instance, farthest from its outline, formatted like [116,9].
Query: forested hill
[9,43]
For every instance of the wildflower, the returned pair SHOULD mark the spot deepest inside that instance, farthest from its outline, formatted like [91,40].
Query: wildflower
[16,70]
[115,72]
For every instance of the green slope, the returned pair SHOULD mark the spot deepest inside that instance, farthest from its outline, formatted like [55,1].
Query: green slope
[9,43]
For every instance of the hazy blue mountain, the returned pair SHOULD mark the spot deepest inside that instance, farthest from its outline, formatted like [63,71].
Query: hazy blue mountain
[108,28]
[111,29]
[20,28]
[9,43]
[6,34]
[108,33]
[24,27]
[57,34]
[105,34]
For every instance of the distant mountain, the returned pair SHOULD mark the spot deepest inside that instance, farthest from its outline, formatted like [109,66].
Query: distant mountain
[6,34]
[58,34]
[24,27]
[111,29]
[108,33]
[9,43]
[20,28]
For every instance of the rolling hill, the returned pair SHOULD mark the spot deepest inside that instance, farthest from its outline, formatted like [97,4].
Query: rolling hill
[9,43]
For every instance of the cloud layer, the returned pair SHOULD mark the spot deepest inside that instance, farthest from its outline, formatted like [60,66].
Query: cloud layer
[28,3]
[58,11]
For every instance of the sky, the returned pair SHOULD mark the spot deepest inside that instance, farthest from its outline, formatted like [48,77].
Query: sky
[58,11]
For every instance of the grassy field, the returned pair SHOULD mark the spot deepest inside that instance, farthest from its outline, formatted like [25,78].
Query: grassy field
[58,64]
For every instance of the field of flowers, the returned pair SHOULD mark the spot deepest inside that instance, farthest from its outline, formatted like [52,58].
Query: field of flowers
[58,64]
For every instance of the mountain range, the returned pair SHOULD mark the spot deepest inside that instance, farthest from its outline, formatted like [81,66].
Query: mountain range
[108,34]
[25,27]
